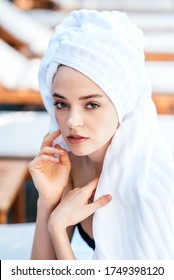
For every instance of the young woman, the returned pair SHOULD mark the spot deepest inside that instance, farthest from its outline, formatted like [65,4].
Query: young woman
[104,166]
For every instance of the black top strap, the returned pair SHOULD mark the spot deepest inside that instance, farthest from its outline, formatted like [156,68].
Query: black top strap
[86,237]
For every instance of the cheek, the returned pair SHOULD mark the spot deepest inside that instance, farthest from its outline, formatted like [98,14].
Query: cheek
[109,129]
[109,120]
[108,125]
[60,119]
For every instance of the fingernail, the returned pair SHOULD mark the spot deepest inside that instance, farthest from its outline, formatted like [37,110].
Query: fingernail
[60,152]
[108,197]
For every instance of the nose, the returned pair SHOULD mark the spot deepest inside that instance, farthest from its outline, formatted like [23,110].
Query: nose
[75,119]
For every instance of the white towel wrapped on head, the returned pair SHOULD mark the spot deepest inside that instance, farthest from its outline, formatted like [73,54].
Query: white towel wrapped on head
[138,169]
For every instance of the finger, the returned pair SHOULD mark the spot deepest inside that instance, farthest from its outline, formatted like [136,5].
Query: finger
[46,135]
[64,158]
[49,138]
[50,151]
[99,203]
[91,187]
[48,158]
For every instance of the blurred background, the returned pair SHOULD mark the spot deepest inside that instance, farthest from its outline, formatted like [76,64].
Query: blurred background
[25,29]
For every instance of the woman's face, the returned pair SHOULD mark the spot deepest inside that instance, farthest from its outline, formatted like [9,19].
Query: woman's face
[85,115]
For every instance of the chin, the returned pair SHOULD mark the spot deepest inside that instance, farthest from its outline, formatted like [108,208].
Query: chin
[81,152]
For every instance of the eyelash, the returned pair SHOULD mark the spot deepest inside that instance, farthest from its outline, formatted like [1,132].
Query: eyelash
[94,105]
[56,103]
[66,106]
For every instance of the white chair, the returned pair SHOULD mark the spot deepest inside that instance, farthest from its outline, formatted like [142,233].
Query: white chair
[18,77]
[161,74]
[21,137]
[152,21]
[166,123]
[16,243]
[158,29]
[126,5]
[49,18]
[160,46]
[17,71]
[25,28]
[22,133]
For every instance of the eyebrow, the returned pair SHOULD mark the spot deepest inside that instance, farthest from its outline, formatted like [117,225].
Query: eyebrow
[80,98]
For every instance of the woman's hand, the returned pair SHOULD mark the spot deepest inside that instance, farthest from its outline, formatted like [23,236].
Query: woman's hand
[75,207]
[50,174]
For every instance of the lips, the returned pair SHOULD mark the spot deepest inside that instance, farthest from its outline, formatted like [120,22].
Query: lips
[76,138]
